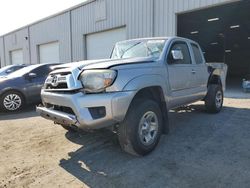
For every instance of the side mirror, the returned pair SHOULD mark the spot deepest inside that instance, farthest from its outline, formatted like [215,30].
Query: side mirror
[177,55]
[32,75]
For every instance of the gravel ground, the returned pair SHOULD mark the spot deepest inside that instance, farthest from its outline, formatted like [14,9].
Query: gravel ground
[202,150]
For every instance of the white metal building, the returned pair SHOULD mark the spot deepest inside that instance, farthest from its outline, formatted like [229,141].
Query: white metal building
[89,30]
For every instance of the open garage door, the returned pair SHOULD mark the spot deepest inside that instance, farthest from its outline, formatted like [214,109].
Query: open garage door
[49,53]
[99,45]
[16,57]
[224,35]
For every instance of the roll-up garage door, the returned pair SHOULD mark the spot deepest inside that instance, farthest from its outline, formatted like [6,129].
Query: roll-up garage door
[223,32]
[16,57]
[49,53]
[99,45]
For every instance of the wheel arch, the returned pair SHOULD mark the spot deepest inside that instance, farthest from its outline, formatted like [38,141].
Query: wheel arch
[15,90]
[214,79]
[155,93]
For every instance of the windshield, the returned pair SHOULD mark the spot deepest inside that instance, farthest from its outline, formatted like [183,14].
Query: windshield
[144,48]
[4,70]
[23,71]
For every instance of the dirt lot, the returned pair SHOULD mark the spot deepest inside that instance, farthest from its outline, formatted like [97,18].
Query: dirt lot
[202,150]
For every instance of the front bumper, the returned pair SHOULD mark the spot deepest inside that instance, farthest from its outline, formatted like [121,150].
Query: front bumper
[115,104]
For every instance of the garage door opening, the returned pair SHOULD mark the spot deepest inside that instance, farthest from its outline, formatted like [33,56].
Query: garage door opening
[16,57]
[224,35]
[100,45]
[49,53]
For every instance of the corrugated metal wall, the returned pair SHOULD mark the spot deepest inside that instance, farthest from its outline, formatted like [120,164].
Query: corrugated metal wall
[2,52]
[137,16]
[142,18]
[51,30]
[15,41]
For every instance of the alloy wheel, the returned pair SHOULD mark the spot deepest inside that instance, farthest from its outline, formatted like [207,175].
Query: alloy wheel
[12,102]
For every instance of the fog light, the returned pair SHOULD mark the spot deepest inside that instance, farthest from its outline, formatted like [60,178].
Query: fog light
[97,112]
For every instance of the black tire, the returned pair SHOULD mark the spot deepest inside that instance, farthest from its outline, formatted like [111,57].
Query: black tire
[128,131]
[213,105]
[69,128]
[14,96]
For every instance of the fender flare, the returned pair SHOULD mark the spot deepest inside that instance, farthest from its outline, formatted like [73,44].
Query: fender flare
[151,80]
[144,81]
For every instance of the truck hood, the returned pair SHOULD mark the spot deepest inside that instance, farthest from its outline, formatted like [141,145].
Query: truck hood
[116,62]
[103,63]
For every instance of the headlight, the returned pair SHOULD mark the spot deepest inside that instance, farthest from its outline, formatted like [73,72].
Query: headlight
[97,80]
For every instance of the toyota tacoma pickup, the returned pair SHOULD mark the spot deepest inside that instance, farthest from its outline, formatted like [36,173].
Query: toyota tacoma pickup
[133,91]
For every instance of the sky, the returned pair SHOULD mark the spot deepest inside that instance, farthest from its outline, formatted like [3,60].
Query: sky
[18,13]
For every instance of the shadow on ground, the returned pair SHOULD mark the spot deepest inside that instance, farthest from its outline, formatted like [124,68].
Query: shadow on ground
[201,150]
[26,112]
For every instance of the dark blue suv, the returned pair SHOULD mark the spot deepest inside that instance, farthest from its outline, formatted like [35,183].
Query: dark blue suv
[23,86]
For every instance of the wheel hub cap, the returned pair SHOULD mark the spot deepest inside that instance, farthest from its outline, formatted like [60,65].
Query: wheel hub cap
[218,99]
[148,128]
[12,102]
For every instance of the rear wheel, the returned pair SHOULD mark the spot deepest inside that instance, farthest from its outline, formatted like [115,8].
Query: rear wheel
[140,132]
[214,98]
[12,101]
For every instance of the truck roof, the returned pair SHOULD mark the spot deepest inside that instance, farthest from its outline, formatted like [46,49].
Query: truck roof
[157,38]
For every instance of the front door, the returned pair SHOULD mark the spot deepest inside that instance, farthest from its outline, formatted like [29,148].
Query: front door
[36,83]
[181,75]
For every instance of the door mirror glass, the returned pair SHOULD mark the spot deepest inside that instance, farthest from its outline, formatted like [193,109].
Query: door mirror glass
[177,55]
[32,75]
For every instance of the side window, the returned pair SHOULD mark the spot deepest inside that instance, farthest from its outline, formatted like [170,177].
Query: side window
[183,47]
[41,71]
[197,54]
[17,68]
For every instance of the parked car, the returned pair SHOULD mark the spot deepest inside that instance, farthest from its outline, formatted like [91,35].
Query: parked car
[133,91]
[23,86]
[10,69]
[246,84]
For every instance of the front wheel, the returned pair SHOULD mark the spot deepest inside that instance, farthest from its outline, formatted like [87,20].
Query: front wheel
[141,130]
[214,98]
[69,128]
[11,101]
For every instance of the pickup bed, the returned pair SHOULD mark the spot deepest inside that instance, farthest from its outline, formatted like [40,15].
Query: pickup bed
[133,91]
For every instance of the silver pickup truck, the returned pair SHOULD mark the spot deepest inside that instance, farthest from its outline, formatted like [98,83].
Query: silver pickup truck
[133,91]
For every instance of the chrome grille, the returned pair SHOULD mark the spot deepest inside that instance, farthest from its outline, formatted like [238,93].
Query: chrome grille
[63,80]
[56,81]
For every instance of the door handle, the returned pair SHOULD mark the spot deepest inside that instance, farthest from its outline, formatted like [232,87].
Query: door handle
[193,72]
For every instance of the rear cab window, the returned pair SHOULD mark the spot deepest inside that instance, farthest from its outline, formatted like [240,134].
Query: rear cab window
[197,53]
